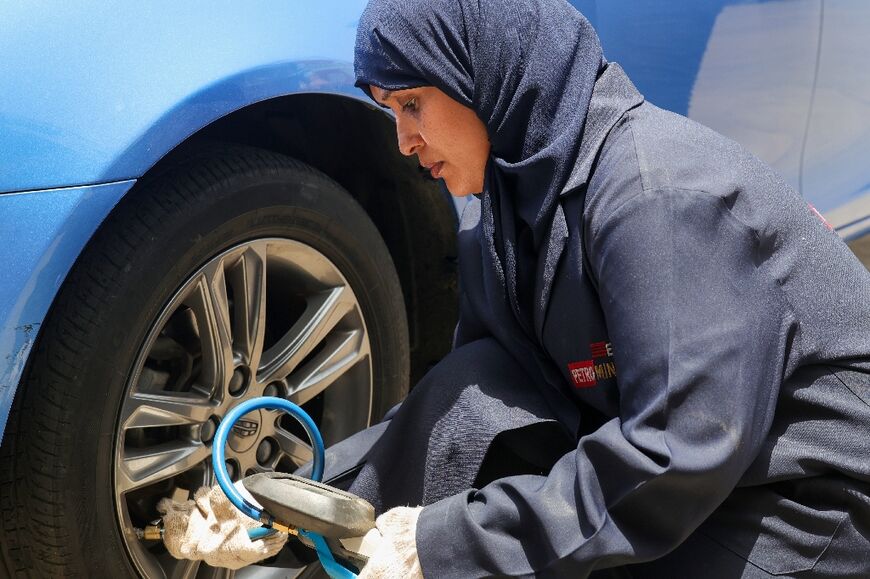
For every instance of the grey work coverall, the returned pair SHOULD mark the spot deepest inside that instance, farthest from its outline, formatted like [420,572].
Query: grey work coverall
[703,346]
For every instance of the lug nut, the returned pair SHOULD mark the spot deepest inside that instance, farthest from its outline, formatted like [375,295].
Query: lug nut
[273,389]
[238,381]
[208,429]
[264,451]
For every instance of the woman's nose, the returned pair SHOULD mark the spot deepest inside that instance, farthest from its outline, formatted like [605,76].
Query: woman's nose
[409,138]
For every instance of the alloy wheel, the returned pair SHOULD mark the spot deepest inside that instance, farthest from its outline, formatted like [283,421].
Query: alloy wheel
[266,317]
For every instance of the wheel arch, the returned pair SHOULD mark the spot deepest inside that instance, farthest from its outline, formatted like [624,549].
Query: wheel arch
[354,143]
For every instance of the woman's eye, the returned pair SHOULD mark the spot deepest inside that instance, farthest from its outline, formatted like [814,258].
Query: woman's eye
[410,105]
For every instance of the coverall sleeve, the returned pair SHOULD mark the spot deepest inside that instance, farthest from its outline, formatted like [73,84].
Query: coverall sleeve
[699,329]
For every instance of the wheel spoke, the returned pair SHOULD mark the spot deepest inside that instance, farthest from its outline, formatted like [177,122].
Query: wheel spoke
[185,569]
[321,315]
[247,461]
[293,447]
[339,356]
[248,281]
[145,466]
[217,573]
[208,300]
[149,410]
[210,335]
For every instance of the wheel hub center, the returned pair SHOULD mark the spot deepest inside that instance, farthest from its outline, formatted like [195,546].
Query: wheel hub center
[244,433]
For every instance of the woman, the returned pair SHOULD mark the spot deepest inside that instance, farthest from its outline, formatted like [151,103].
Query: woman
[662,363]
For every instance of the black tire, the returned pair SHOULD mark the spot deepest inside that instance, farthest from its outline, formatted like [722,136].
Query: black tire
[56,463]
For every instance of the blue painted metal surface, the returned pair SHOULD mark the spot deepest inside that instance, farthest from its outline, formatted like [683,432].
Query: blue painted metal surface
[788,79]
[97,91]
[41,235]
[836,170]
[745,68]
[659,44]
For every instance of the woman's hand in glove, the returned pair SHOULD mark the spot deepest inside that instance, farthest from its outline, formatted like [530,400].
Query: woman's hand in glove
[209,528]
[395,556]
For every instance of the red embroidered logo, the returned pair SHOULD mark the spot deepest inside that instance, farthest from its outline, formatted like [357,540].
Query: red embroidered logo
[583,373]
[601,349]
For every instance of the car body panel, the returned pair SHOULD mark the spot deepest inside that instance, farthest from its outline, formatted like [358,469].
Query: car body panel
[95,92]
[42,235]
[744,68]
[785,78]
[755,83]
[836,171]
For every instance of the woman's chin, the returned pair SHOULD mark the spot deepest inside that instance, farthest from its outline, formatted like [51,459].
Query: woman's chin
[459,189]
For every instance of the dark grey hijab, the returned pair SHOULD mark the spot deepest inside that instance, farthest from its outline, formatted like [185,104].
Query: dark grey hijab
[527,68]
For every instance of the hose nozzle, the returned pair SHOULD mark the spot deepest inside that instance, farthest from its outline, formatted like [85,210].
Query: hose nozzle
[152,532]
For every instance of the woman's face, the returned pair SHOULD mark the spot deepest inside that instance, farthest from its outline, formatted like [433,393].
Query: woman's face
[448,138]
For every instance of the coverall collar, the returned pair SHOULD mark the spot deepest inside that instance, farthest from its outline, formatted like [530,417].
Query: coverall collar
[612,96]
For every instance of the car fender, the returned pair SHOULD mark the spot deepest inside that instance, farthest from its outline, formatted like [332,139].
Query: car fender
[42,235]
[96,92]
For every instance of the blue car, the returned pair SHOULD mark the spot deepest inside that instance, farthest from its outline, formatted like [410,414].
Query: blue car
[197,207]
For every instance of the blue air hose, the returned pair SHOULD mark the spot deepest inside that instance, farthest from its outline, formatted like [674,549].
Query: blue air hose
[218,458]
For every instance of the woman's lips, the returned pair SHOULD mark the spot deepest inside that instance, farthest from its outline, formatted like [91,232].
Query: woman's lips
[435,169]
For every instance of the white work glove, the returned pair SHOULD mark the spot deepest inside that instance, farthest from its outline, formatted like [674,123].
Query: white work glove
[395,556]
[211,529]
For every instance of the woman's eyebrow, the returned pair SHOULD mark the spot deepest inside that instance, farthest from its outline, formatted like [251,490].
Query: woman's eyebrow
[382,98]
